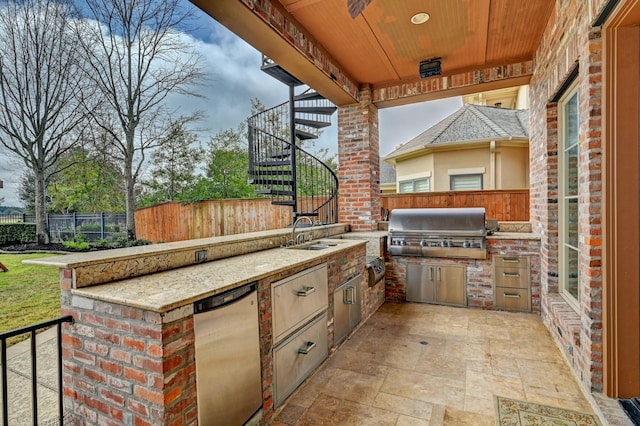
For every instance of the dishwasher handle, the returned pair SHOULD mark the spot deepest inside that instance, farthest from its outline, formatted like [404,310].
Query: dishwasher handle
[219,300]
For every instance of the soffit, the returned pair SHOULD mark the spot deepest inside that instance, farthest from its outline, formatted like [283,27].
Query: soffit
[381,45]
[483,44]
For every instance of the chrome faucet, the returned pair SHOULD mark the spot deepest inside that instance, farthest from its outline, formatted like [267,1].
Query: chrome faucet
[294,240]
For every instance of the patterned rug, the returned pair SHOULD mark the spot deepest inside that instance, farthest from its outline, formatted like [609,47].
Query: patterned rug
[511,412]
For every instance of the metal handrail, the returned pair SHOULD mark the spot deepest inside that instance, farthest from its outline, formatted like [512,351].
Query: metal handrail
[34,383]
[283,169]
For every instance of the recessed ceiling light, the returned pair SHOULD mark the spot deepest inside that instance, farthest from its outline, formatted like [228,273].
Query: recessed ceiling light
[420,18]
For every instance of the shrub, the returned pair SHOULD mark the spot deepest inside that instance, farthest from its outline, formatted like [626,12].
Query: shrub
[90,227]
[14,233]
[102,243]
[74,245]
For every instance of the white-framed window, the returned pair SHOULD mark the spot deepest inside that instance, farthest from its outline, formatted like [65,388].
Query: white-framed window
[569,253]
[415,185]
[465,182]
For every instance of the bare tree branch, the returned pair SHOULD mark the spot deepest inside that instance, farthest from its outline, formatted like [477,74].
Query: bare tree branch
[41,88]
[136,58]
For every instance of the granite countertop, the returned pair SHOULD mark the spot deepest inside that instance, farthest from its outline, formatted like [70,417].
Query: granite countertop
[168,290]
[360,235]
[514,236]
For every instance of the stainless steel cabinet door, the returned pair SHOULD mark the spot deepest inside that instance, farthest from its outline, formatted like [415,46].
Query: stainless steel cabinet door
[228,377]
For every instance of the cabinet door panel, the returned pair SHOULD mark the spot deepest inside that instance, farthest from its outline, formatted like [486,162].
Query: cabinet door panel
[517,299]
[512,277]
[451,287]
[297,299]
[420,283]
[297,356]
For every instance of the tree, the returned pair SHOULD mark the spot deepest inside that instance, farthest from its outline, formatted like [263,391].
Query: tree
[27,192]
[226,165]
[135,60]
[174,167]
[91,183]
[41,90]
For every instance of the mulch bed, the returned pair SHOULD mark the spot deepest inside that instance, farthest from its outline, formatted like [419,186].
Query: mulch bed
[44,248]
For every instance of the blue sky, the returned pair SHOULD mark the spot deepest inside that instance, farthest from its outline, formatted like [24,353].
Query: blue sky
[234,78]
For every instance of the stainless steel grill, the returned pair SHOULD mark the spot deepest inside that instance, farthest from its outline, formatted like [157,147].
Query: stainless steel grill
[435,232]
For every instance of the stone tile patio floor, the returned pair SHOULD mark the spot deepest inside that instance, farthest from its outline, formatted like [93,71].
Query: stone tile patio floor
[409,364]
[421,364]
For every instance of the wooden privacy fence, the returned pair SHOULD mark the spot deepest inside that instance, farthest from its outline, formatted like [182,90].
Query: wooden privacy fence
[503,205]
[176,222]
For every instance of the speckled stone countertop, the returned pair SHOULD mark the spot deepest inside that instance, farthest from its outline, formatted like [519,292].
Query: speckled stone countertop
[107,266]
[168,290]
[514,236]
[363,235]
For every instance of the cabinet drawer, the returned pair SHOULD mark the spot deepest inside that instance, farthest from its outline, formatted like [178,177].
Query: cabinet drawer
[512,277]
[512,298]
[295,358]
[297,299]
[511,261]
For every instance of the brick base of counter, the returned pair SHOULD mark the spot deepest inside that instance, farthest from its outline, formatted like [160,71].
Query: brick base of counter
[479,272]
[124,365]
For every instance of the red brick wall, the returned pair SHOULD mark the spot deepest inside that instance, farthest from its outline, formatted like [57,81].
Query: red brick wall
[359,202]
[569,39]
[127,366]
[479,272]
[339,268]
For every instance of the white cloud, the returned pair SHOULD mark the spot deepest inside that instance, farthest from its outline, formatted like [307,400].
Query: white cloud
[234,78]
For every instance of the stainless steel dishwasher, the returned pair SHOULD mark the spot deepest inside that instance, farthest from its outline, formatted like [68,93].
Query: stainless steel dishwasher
[227,343]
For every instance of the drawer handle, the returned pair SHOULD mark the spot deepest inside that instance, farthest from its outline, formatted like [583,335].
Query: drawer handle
[510,260]
[350,295]
[511,274]
[306,291]
[308,348]
[512,296]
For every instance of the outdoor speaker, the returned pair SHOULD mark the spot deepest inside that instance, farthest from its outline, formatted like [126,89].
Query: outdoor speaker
[430,68]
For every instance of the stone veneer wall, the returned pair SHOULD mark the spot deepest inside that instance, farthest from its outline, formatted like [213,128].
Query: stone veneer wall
[569,39]
[124,365]
[479,272]
[359,158]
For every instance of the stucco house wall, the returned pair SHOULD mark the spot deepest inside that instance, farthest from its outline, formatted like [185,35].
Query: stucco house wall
[464,161]
[491,141]
[512,167]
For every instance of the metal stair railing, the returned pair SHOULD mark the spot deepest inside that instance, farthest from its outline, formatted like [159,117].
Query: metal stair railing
[271,169]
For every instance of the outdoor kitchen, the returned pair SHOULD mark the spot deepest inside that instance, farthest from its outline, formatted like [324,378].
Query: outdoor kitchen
[457,257]
[140,328]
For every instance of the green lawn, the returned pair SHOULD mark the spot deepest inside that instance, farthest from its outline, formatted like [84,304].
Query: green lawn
[28,293]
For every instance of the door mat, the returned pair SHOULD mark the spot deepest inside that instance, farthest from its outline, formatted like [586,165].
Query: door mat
[632,408]
[511,412]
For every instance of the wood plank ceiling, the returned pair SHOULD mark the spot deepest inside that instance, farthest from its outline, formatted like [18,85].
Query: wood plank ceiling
[381,45]
[320,42]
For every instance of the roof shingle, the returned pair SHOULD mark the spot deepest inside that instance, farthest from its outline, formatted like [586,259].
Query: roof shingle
[471,123]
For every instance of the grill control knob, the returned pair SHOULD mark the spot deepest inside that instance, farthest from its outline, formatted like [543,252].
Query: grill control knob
[443,244]
[423,243]
[466,244]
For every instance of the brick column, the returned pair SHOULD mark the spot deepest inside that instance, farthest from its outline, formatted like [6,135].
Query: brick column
[124,365]
[359,157]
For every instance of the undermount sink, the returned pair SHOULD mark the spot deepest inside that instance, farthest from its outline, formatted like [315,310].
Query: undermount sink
[316,245]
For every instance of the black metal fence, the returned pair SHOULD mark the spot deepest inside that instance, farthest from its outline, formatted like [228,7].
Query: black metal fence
[32,329]
[66,227]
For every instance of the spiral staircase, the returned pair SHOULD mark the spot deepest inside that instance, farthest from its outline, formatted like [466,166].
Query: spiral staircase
[278,166]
